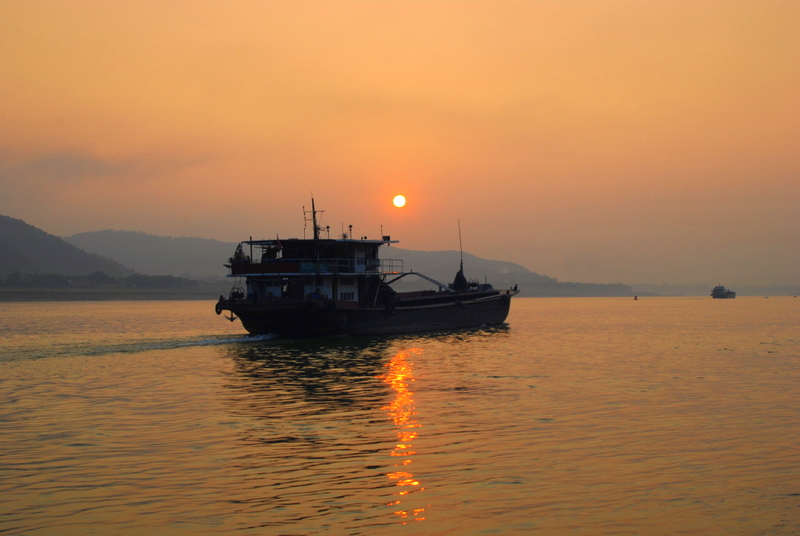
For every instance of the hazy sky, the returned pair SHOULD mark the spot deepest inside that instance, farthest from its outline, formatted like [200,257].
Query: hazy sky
[635,141]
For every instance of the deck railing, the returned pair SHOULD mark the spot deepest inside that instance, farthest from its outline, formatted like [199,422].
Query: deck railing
[309,266]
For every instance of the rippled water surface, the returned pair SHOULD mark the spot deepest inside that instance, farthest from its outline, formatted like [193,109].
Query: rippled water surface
[582,416]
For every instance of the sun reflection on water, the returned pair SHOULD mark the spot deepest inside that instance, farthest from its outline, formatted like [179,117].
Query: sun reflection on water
[402,411]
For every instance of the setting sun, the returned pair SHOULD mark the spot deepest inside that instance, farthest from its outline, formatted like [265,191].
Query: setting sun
[399,201]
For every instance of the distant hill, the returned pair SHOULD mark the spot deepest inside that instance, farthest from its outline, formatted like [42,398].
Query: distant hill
[159,255]
[27,249]
[204,258]
[443,265]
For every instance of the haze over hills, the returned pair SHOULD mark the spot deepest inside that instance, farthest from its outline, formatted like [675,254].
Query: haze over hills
[159,255]
[27,249]
[204,258]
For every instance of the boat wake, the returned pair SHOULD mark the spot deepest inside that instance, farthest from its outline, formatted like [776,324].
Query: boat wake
[101,348]
[229,340]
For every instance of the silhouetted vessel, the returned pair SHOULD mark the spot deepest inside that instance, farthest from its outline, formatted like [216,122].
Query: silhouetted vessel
[720,292]
[323,286]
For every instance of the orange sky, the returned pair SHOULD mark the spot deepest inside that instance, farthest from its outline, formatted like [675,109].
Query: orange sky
[615,141]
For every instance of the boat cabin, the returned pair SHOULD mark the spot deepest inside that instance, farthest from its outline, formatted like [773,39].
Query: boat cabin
[345,270]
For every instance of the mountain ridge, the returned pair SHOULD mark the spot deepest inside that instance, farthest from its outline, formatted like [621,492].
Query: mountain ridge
[25,248]
[28,249]
[182,256]
[204,258]
[200,257]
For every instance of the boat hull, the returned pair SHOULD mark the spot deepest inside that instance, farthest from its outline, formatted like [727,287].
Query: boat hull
[315,318]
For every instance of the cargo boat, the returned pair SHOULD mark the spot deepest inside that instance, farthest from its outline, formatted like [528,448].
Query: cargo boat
[720,292]
[340,286]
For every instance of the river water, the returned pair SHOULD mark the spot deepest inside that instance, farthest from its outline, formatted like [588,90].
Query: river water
[660,416]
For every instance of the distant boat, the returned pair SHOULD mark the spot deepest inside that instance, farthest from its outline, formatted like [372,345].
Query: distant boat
[340,286]
[722,293]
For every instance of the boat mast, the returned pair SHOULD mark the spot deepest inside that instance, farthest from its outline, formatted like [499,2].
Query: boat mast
[314,222]
[314,219]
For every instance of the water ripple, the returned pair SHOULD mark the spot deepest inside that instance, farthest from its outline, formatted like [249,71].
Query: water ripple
[581,417]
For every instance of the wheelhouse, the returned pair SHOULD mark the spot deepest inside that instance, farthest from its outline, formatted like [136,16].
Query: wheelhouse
[345,270]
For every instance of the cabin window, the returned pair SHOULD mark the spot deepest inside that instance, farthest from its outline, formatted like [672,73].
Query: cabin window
[347,296]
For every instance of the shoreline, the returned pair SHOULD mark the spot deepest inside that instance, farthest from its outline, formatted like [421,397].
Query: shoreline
[41,295]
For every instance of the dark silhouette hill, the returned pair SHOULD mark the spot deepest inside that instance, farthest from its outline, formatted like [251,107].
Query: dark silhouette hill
[27,249]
